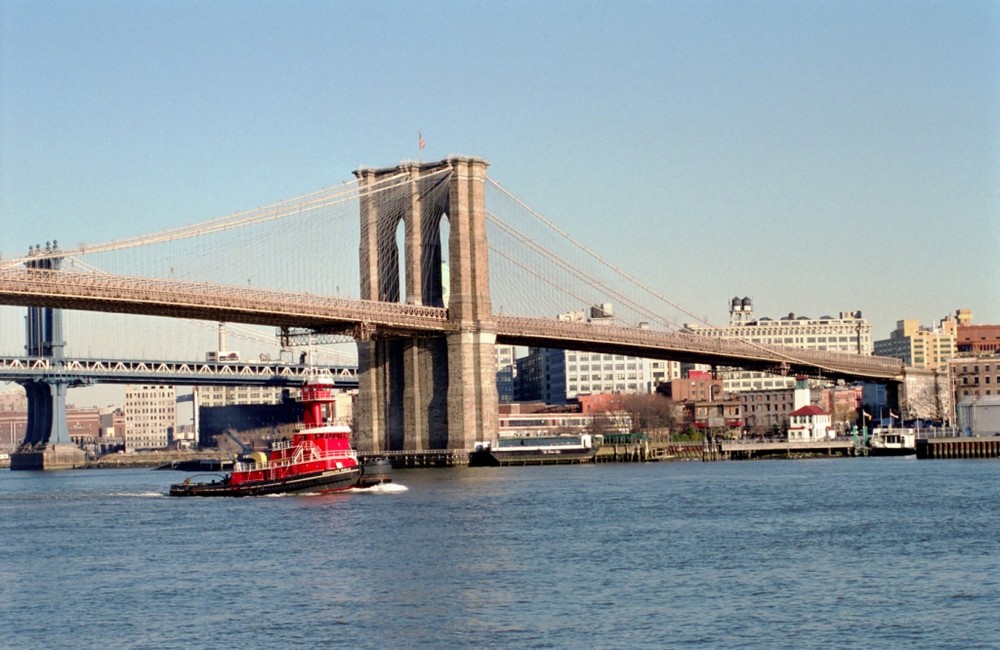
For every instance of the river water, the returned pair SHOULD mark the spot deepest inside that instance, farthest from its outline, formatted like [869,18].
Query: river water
[839,553]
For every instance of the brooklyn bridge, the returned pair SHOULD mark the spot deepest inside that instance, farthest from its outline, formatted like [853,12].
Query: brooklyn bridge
[426,266]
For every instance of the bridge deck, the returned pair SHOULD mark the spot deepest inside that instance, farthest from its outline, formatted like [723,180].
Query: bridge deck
[363,318]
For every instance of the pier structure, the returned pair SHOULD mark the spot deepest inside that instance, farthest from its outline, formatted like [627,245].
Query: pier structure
[743,450]
[959,447]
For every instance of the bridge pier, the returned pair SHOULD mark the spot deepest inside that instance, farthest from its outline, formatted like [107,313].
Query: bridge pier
[425,392]
[46,443]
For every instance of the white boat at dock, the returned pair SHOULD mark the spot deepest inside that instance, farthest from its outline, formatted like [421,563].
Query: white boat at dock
[892,442]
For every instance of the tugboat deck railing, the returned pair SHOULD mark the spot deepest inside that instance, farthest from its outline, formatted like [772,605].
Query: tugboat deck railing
[300,456]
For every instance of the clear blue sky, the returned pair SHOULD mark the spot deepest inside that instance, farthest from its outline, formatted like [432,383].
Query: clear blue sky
[817,156]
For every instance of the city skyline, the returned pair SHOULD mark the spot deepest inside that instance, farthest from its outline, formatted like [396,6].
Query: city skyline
[815,158]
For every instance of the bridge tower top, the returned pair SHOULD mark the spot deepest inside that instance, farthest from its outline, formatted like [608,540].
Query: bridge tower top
[44,324]
[419,194]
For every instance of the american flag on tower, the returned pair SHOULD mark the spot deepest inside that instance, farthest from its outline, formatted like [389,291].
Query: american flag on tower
[420,137]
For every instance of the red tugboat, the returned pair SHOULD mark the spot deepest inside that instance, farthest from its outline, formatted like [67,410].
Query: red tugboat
[318,458]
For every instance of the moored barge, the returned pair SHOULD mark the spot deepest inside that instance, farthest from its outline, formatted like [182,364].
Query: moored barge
[535,450]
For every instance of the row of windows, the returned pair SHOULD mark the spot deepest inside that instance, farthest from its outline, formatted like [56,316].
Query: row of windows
[766,397]
[778,329]
[605,377]
[594,356]
[607,366]
[844,342]
[586,388]
[541,422]
[768,383]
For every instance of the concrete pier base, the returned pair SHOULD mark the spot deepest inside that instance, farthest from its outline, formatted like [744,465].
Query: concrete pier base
[47,457]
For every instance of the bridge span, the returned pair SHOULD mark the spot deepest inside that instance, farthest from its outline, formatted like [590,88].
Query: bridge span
[367,320]
[680,346]
[212,302]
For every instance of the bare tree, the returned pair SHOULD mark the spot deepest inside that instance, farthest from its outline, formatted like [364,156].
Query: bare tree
[606,422]
[651,413]
[926,398]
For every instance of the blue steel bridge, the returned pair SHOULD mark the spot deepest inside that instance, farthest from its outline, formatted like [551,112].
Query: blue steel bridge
[425,266]
[83,372]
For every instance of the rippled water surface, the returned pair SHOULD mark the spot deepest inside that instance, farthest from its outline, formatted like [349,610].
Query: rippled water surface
[844,553]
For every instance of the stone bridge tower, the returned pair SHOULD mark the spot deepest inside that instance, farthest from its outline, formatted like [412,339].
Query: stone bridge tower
[430,391]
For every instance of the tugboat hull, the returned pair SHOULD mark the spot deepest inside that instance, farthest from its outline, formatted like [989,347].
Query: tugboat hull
[327,481]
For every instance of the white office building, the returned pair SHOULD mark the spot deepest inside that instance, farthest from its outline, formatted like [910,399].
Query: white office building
[848,332]
[150,416]
[566,374]
[241,395]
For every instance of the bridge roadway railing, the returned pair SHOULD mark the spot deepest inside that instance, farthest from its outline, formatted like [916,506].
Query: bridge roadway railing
[202,300]
[683,346]
[172,372]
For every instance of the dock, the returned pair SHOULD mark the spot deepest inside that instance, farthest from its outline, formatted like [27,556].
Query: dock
[752,450]
[642,453]
[927,448]
[959,447]
[401,459]
[639,453]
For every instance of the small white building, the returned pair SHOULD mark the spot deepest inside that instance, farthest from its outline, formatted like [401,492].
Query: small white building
[808,424]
